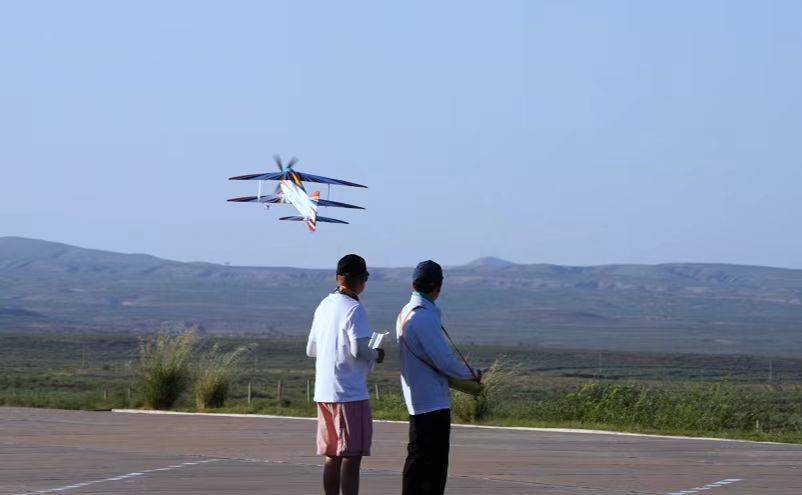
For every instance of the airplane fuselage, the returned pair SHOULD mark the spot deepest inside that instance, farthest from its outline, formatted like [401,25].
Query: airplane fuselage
[296,195]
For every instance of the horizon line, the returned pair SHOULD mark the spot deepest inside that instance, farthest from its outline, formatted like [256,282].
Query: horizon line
[475,261]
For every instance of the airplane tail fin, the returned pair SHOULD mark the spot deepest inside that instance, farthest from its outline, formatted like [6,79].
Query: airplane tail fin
[311,222]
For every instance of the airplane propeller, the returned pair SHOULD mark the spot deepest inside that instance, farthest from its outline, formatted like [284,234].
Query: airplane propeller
[285,169]
[282,167]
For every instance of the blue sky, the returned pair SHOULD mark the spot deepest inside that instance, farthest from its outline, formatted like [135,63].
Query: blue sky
[563,132]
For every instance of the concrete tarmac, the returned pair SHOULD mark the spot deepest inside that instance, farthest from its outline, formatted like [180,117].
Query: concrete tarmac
[78,452]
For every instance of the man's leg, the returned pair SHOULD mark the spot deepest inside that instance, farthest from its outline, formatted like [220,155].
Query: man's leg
[426,467]
[415,466]
[349,475]
[441,443]
[331,475]
[327,446]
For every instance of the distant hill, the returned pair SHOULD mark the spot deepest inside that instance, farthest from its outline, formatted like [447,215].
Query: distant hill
[489,261]
[700,307]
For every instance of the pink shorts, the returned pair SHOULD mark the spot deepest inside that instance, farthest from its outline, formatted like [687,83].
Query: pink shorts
[344,429]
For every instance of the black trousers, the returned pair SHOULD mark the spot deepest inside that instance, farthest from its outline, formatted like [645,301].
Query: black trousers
[426,469]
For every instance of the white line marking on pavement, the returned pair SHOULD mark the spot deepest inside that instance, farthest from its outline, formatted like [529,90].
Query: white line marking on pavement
[698,489]
[393,471]
[117,478]
[457,425]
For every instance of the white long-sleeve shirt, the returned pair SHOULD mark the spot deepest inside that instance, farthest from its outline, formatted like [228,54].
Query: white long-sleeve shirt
[426,390]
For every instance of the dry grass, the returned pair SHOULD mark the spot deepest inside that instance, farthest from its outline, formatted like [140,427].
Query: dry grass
[215,372]
[500,384]
[165,368]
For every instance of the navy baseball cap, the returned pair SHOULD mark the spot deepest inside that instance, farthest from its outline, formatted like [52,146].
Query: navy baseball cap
[428,270]
[352,265]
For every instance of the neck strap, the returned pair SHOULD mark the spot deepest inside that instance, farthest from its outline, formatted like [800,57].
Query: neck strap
[346,292]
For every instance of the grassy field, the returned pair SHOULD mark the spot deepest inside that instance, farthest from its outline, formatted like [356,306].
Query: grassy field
[727,396]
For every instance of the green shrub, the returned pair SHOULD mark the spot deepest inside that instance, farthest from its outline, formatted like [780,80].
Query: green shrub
[214,374]
[390,406]
[711,407]
[500,382]
[164,368]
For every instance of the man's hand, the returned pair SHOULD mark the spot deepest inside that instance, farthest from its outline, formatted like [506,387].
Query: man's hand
[380,358]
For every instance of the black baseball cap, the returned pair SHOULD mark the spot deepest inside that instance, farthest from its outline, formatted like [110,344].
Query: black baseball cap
[428,271]
[352,265]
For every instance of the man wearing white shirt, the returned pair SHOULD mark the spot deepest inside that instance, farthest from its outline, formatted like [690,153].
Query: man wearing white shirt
[427,362]
[338,340]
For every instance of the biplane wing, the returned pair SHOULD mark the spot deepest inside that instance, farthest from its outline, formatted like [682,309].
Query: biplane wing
[259,199]
[265,176]
[319,219]
[302,176]
[337,204]
[280,200]
[326,180]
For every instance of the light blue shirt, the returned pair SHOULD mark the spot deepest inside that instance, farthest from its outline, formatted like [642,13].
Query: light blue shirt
[426,390]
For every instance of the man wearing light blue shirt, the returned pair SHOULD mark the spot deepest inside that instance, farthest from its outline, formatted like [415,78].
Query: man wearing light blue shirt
[427,362]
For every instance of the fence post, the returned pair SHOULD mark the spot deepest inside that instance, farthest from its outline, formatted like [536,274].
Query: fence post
[308,392]
[600,365]
[105,394]
[376,389]
[129,393]
[249,393]
[278,392]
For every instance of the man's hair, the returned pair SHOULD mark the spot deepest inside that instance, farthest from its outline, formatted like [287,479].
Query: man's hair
[425,286]
[350,281]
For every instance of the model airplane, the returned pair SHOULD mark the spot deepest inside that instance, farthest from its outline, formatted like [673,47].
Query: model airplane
[290,190]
